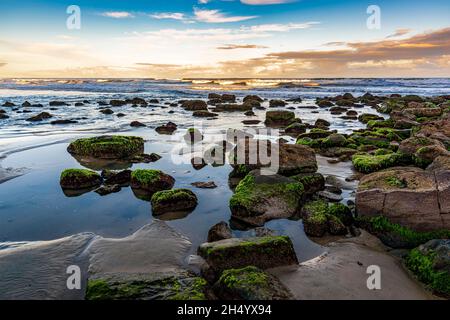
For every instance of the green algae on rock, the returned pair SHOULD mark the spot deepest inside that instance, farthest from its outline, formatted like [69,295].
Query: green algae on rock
[366,163]
[79,179]
[151,181]
[250,283]
[259,198]
[262,252]
[179,286]
[173,200]
[319,218]
[107,147]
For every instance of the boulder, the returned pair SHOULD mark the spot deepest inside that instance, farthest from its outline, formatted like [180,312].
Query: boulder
[260,198]
[233,107]
[167,128]
[56,122]
[262,252]
[279,118]
[204,114]
[106,111]
[136,124]
[411,197]
[219,231]
[295,129]
[320,218]
[75,179]
[250,283]
[121,178]
[367,163]
[39,117]
[151,181]
[107,147]
[108,189]
[276,103]
[194,105]
[173,201]
[204,185]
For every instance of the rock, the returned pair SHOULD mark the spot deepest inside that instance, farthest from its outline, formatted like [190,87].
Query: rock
[249,113]
[57,103]
[39,117]
[334,140]
[108,189]
[338,110]
[198,163]
[321,123]
[120,115]
[173,201]
[107,147]
[193,135]
[368,163]
[106,111]
[253,98]
[194,105]
[250,283]
[144,158]
[204,185]
[74,179]
[276,103]
[345,102]
[295,159]
[259,198]
[3,116]
[320,218]
[295,129]
[324,103]
[121,178]
[422,150]
[168,128]
[233,107]
[136,124]
[117,103]
[250,122]
[279,118]
[55,122]
[179,285]
[410,196]
[204,114]
[8,104]
[366,117]
[228,97]
[261,252]
[424,112]
[312,182]
[430,262]
[219,231]
[26,104]
[351,113]
[330,196]
[151,181]
[140,101]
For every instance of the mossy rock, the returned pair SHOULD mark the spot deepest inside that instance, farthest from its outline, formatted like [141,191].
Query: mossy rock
[172,286]
[259,198]
[371,163]
[366,117]
[151,181]
[430,262]
[320,218]
[389,123]
[279,118]
[397,236]
[74,179]
[250,283]
[194,105]
[295,129]
[312,182]
[107,147]
[173,200]
[334,140]
[307,141]
[262,252]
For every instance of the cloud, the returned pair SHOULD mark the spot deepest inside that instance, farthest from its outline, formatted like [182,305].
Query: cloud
[169,15]
[266,2]
[280,27]
[240,46]
[118,14]
[215,16]
[399,33]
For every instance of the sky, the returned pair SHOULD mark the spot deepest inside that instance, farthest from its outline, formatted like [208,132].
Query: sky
[224,39]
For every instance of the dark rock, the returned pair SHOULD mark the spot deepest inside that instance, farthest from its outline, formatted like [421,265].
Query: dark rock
[219,231]
[121,178]
[74,179]
[173,201]
[168,128]
[106,111]
[204,185]
[39,117]
[108,189]
[276,103]
[63,122]
[204,114]
[194,105]
[57,103]
[107,147]
[151,181]
[136,124]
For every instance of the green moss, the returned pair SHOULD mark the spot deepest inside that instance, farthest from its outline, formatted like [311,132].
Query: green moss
[409,237]
[248,193]
[389,123]
[318,211]
[313,143]
[107,146]
[381,152]
[146,177]
[78,174]
[196,291]
[342,212]
[396,182]
[421,265]
[367,163]
[173,195]
[244,277]
[102,290]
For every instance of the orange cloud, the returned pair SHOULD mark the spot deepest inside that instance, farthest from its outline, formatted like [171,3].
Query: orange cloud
[240,46]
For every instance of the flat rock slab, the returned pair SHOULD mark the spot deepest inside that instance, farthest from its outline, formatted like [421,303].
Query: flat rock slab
[337,274]
[37,270]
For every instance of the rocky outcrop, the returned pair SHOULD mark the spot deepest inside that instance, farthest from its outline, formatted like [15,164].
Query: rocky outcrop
[151,181]
[175,200]
[107,147]
[409,196]
[74,179]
